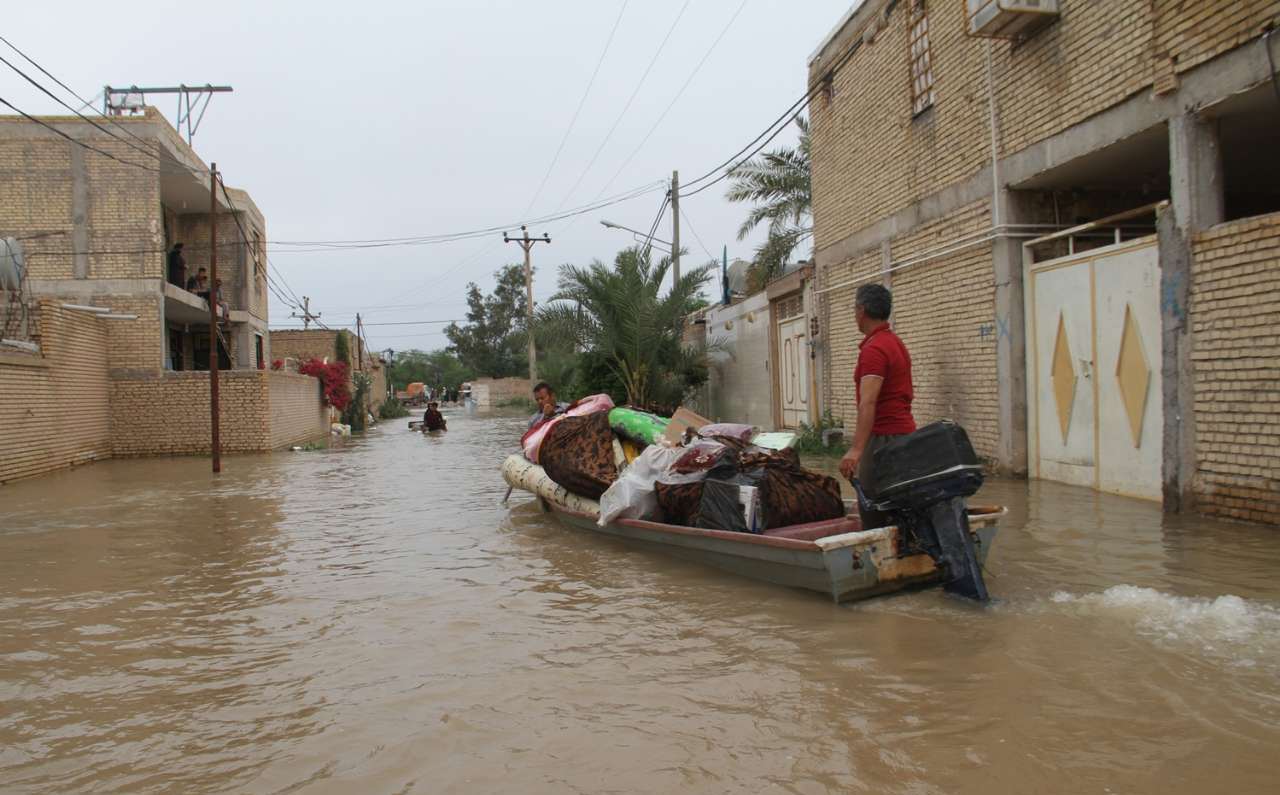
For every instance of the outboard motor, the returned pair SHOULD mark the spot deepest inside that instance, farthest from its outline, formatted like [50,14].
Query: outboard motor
[921,480]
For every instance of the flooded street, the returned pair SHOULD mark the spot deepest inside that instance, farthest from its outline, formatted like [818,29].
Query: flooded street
[371,618]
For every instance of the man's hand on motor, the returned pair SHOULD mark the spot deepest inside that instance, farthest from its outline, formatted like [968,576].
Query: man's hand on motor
[849,463]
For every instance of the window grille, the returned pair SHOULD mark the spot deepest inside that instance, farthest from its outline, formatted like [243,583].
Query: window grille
[921,60]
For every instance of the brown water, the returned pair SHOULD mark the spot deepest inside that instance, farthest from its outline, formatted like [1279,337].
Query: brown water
[371,619]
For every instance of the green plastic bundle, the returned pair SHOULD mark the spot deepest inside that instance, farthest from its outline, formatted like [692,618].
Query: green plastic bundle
[638,426]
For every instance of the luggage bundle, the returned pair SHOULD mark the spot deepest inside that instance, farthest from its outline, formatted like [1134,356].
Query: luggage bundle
[684,471]
[752,491]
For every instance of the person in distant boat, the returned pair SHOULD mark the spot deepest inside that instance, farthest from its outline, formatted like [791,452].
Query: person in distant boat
[548,407]
[882,382]
[433,420]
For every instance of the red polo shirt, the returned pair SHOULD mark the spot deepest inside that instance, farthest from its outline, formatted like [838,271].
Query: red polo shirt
[882,353]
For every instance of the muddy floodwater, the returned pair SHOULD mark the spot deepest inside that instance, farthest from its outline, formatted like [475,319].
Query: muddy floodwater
[371,619]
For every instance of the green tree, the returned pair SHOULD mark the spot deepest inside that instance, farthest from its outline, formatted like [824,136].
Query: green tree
[778,185]
[437,368]
[342,348]
[493,340]
[620,314]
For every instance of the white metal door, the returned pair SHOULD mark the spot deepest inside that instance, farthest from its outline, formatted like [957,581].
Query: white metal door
[793,374]
[1093,369]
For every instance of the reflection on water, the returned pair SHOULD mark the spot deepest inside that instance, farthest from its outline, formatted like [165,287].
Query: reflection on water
[373,617]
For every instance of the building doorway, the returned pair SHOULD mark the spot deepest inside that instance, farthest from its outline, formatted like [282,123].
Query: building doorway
[792,371]
[200,352]
[1094,402]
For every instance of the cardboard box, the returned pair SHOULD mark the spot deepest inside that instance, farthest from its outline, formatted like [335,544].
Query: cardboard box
[682,420]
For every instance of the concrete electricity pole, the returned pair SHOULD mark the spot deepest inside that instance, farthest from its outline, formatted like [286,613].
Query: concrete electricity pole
[675,228]
[526,243]
[306,315]
[215,440]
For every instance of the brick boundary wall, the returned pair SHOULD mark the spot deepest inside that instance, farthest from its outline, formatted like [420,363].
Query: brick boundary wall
[54,409]
[298,415]
[168,413]
[1235,314]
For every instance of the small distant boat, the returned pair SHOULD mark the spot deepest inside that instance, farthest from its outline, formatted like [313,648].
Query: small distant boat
[834,557]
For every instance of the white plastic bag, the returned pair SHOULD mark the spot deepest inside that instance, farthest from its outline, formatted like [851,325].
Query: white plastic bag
[632,495]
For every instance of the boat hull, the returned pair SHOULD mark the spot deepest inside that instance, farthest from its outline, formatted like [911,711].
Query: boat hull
[835,558]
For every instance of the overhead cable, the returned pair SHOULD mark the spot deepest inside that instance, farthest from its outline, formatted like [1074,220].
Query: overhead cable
[581,102]
[627,106]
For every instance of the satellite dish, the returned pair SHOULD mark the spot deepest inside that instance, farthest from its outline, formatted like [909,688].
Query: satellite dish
[12,264]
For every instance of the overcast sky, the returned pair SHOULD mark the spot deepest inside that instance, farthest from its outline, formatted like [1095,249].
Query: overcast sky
[394,119]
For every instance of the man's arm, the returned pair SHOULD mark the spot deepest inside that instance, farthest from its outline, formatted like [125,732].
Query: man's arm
[866,421]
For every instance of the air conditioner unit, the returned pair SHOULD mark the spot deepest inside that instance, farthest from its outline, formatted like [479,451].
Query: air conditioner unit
[1010,19]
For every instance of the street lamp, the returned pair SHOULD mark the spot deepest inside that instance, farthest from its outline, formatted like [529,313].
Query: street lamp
[640,237]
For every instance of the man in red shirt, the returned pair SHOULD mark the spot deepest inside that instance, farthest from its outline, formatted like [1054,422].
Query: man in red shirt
[882,380]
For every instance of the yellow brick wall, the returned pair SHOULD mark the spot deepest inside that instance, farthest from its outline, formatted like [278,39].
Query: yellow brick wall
[1234,315]
[871,157]
[168,413]
[54,406]
[135,344]
[298,415]
[840,333]
[1095,55]
[1186,34]
[310,344]
[122,209]
[943,309]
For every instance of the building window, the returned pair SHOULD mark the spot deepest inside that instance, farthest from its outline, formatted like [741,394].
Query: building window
[921,61]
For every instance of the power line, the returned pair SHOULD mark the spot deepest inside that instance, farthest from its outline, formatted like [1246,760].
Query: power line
[79,143]
[696,237]
[627,106]
[86,102]
[581,102]
[676,98]
[451,237]
[55,98]
[730,170]
[779,123]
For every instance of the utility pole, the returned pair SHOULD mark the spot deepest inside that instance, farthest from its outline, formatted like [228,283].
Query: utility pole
[215,440]
[526,243]
[359,343]
[306,315]
[675,228]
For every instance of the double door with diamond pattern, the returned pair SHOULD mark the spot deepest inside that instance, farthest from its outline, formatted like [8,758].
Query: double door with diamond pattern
[1093,369]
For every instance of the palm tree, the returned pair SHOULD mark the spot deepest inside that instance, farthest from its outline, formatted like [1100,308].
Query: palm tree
[778,185]
[620,312]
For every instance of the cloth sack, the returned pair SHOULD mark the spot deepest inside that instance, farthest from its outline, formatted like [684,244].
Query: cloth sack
[578,454]
[532,440]
[632,495]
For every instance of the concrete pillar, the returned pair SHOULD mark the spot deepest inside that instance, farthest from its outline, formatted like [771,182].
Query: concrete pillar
[1196,203]
[79,214]
[1011,345]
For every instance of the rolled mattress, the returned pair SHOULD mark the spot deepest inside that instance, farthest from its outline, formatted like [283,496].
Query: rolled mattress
[521,473]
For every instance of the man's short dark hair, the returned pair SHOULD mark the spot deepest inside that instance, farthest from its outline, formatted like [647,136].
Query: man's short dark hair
[202,269]
[875,300]
[541,386]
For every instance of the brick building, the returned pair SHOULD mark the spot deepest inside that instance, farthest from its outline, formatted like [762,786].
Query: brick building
[1076,211]
[95,228]
[321,343]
